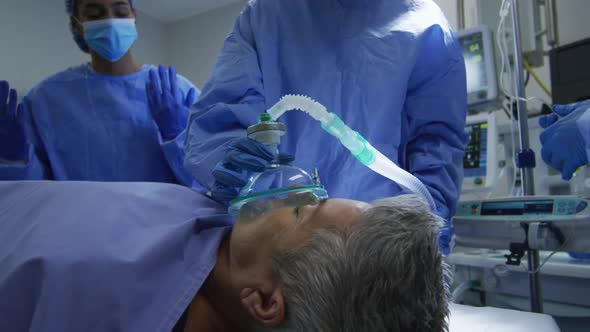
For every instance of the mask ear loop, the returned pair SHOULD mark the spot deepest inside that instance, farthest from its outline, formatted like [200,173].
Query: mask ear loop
[77,20]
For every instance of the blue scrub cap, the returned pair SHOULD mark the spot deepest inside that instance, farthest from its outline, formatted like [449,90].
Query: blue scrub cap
[78,38]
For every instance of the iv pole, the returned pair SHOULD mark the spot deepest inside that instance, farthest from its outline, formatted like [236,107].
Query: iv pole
[525,157]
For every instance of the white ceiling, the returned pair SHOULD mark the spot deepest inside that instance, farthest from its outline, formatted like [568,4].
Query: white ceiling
[173,10]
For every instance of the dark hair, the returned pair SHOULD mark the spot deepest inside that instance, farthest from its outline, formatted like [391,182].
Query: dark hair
[73,11]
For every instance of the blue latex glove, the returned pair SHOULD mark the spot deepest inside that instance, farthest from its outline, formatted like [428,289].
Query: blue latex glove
[166,102]
[446,232]
[577,255]
[243,157]
[547,120]
[13,140]
[445,238]
[564,147]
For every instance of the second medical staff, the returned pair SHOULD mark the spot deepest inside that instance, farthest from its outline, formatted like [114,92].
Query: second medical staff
[112,119]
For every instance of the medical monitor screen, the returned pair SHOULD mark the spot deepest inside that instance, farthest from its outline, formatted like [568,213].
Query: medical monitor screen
[476,68]
[516,208]
[475,159]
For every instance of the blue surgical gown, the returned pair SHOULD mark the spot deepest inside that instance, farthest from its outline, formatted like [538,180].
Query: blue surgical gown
[91,256]
[91,127]
[583,123]
[392,70]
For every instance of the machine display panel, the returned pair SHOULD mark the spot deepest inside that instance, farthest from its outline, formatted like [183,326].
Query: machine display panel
[475,62]
[475,159]
[478,52]
[516,208]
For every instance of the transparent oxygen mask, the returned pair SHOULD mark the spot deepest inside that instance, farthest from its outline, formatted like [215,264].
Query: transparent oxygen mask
[279,185]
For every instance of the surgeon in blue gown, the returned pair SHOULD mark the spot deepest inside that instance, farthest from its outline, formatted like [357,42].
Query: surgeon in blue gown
[111,119]
[392,70]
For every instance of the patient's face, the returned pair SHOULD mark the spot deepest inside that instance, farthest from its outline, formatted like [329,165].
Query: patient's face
[255,242]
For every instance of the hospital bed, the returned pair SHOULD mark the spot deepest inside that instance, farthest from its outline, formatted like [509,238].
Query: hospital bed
[487,319]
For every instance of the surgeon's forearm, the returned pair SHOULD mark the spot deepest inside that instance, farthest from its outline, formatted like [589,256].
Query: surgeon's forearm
[443,187]
[203,153]
[583,124]
[436,111]
[436,158]
[174,153]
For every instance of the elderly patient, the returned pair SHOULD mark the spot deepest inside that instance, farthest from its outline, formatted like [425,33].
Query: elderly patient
[78,256]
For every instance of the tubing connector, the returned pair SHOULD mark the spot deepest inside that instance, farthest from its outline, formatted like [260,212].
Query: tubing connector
[352,140]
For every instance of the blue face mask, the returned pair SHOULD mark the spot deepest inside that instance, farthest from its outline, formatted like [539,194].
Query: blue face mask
[110,38]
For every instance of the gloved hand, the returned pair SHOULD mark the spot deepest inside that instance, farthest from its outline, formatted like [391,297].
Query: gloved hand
[547,120]
[564,148]
[446,232]
[243,157]
[13,140]
[169,109]
[445,238]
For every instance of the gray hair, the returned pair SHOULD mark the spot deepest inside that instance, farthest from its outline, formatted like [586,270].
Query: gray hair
[386,274]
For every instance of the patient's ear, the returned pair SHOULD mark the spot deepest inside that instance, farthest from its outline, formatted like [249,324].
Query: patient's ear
[267,308]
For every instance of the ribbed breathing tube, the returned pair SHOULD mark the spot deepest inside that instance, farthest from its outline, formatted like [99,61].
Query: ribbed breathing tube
[354,142]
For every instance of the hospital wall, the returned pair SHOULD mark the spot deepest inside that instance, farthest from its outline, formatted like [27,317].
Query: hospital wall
[449,7]
[36,42]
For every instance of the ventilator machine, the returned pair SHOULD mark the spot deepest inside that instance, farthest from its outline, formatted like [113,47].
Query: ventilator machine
[513,234]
